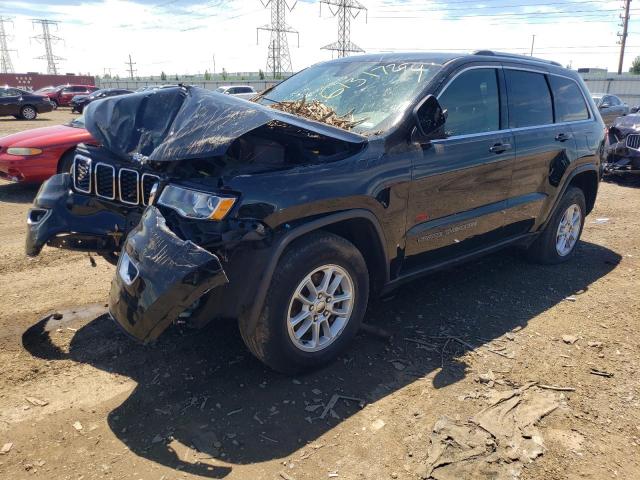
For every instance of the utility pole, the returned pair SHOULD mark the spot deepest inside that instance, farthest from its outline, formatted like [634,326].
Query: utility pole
[130,64]
[5,58]
[345,10]
[278,58]
[623,36]
[533,41]
[48,40]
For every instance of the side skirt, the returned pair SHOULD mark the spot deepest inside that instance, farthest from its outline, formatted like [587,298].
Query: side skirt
[523,240]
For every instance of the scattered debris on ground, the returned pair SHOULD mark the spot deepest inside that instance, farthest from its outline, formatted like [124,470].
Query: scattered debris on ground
[495,442]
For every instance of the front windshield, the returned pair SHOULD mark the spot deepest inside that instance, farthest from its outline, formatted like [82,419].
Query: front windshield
[374,93]
[77,122]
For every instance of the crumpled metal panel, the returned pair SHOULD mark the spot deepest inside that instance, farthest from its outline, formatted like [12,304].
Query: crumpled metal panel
[168,275]
[183,123]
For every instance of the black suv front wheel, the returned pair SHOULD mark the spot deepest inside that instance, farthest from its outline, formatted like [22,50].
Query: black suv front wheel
[316,302]
[557,242]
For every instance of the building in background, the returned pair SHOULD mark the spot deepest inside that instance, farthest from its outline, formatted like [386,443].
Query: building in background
[35,81]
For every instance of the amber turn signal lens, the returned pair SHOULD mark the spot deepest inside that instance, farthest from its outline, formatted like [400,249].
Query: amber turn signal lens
[223,208]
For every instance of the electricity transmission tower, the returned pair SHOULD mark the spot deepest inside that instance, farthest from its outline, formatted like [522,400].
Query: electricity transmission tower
[623,35]
[48,40]
[345,10]
[278,59]
[5,58]
[131,70]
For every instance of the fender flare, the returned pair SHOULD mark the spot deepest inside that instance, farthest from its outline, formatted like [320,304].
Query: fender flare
[251,317]
[587,167]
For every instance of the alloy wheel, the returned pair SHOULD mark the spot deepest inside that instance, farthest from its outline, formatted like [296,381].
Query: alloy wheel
[320,308]
[28,113]
[568,230]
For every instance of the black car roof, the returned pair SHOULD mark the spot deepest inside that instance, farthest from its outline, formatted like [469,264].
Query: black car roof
[441,58]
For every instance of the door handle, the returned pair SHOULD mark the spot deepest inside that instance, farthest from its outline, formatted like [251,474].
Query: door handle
[562,137]
[500,148]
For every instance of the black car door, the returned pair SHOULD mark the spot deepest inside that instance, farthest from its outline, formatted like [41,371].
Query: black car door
[542,145]
[9,101]
[460,184]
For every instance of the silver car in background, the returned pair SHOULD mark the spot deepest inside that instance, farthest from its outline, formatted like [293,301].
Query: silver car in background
[610,107]
[242,91]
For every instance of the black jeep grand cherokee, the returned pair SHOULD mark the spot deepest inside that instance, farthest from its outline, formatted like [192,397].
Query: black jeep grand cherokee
[214,206]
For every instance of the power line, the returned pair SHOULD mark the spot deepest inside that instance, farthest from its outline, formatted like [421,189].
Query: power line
[6,66]
[345,10]
[623,36]
[130,63]
[583,13]
[48,40]
[278,58]
[489,7]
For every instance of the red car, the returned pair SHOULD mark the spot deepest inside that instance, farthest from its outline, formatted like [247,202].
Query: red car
[62,95]
[35,155]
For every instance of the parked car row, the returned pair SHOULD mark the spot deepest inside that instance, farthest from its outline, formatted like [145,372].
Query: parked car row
[78,102]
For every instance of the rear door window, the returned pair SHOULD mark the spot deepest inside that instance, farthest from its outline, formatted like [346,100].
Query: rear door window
[472,103]
[568,99]
[529,99]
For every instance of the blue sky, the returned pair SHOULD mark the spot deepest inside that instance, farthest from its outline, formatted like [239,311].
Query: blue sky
[185,35]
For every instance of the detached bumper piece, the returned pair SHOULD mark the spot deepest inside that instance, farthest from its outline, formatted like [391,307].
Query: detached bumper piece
[158,277]
[64,219]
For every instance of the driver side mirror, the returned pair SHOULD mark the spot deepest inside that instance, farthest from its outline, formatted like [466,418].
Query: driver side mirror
[604,105]
[429,119]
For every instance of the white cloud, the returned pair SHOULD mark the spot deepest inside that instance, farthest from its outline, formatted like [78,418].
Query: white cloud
[183,39]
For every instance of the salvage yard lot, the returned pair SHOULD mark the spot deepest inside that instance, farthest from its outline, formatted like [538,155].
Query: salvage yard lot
[78,399]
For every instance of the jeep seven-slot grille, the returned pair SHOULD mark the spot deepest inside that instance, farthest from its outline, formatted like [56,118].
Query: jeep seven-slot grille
[82,174]
[148,181]
[633,141]
[128,182]
[107,181]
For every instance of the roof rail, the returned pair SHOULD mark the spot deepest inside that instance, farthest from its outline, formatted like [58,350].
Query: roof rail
[491,53]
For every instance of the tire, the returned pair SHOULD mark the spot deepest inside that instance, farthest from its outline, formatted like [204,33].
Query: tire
[28,112]
[65,164]
[547,248]
[272,340]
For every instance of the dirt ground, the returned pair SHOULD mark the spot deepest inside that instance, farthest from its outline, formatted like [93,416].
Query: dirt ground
[79,400]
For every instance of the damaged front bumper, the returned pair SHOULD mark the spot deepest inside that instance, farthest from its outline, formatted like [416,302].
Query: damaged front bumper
[622,151]
[159,276]
[63,218]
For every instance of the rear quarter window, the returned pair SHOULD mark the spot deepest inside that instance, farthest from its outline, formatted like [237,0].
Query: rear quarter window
[569,101]
[529,99]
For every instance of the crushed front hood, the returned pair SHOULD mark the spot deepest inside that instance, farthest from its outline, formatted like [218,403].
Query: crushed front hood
[183,123]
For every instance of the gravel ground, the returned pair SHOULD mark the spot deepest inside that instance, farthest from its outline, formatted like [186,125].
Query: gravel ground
[79,400]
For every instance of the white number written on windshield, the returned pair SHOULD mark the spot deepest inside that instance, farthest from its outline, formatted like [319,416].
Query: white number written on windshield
[335,89]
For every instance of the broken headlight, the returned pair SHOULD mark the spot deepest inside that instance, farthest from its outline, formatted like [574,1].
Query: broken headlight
[194,204]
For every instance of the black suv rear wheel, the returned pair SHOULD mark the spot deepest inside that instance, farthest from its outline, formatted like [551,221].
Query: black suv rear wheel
[316,301]
[557,242]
